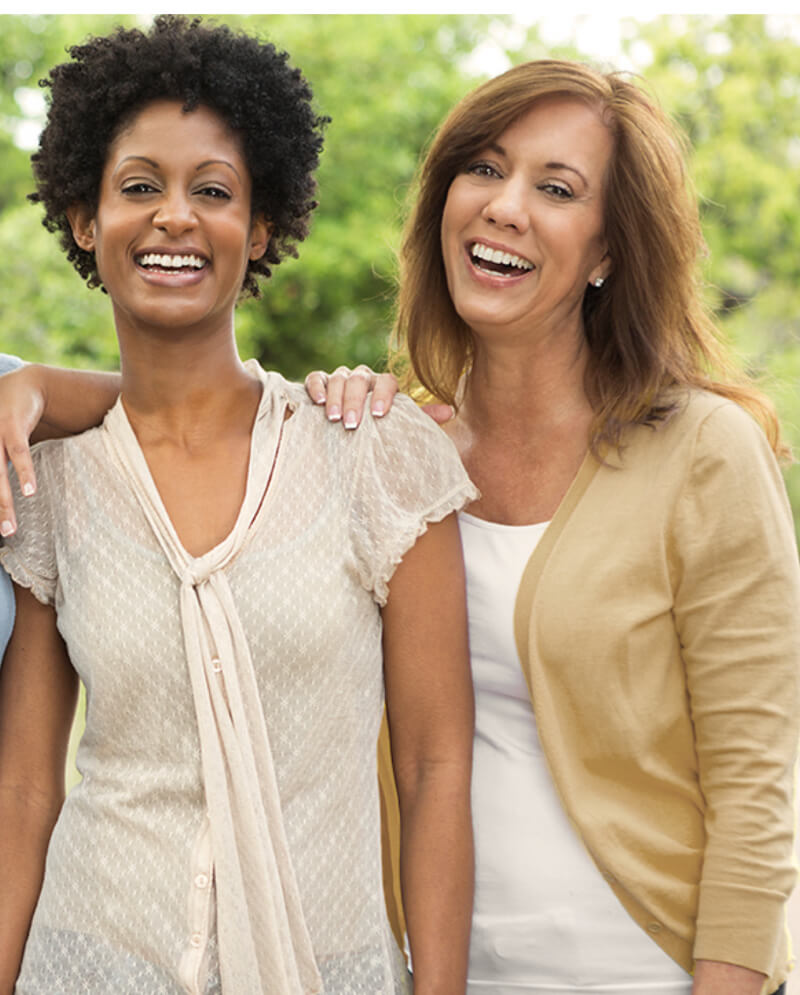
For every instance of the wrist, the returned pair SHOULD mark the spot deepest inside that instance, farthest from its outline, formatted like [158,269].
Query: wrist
[34,376]
[717,978]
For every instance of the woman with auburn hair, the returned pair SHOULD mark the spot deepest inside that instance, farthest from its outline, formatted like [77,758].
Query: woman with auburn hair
[633,583]
[632,576]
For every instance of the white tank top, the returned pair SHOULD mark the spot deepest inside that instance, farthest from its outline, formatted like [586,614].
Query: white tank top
[544,919]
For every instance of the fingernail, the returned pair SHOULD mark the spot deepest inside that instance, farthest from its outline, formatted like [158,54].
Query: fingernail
[6,528]
[319,399]
[350,420]
[378,409]
[28,489]
[334,413]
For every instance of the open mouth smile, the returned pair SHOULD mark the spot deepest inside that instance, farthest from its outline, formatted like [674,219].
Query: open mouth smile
[156,262]
[497,262]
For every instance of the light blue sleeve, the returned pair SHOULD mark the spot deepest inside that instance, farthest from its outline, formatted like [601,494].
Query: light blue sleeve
[7,363]
[7,609]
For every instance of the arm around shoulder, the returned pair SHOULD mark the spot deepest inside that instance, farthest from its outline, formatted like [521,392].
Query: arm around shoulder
[44,402]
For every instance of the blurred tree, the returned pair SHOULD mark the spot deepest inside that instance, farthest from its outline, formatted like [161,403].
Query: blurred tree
[733,83]
[29,46]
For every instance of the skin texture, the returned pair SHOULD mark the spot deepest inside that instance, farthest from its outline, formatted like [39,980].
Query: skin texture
[177,183]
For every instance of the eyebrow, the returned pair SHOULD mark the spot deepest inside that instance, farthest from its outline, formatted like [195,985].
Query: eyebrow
[548,165]
[201,165]
[563,165]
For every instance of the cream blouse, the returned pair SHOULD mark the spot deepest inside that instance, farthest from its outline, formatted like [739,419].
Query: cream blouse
[225,835]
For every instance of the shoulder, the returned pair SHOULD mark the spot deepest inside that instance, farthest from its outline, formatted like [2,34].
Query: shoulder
[276,389]
[714,417]
[408,440]
[407,454]
[725,438]
[720,458]
[406,416]
[702,426]
[59,462]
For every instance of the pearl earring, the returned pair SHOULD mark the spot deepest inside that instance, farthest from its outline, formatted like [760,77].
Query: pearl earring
[598,281]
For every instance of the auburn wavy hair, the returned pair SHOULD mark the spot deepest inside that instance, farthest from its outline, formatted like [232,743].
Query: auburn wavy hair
[647,329]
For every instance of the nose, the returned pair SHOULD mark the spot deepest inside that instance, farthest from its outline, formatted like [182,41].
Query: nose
[507,206]
[175,213]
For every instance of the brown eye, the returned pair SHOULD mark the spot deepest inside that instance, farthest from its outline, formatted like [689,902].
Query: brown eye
[215,193]
[482,169]
[139,187]
[557,190]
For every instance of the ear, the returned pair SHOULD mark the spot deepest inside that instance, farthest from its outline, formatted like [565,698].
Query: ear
[81,221]
[601,271]
[260,234]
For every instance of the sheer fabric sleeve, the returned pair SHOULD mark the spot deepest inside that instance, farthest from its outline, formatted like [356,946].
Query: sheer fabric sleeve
[29,555]
[407,475]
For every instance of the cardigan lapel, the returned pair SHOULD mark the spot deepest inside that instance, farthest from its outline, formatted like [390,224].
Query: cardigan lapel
[526,594]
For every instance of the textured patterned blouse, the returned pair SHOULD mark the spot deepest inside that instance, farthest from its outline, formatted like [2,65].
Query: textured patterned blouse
[225,835]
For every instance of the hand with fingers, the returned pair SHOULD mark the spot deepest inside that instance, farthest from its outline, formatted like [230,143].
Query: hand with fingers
[22,403]
[344,394]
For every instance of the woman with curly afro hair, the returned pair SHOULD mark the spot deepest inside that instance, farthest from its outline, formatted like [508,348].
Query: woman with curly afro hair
[225,836]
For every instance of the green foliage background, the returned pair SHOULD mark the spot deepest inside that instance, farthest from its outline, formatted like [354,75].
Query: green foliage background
[386,81]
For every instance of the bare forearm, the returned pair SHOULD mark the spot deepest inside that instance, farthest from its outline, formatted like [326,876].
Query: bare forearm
[714,978]
[26,827]
[437,879]
[73,400]
[38,692]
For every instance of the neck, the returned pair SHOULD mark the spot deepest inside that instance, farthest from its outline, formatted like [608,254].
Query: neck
[184,386]
[526,391]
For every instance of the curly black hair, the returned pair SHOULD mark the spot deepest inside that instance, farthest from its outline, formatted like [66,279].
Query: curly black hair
[247,82]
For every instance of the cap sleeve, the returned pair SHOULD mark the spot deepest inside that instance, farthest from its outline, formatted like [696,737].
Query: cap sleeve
[29,555]
[408,474]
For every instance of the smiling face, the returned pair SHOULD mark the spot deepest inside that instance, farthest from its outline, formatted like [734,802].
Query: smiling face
[173,231]
[522,227]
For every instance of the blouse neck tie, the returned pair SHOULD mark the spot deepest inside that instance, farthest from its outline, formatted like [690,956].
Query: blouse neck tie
[264,944]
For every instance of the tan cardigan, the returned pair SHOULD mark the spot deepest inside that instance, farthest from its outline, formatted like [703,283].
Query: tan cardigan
[658,622]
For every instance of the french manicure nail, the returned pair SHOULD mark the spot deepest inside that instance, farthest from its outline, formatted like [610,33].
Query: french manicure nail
[28,489]
[6,528]
[334,413]
[350,420]
[378,409]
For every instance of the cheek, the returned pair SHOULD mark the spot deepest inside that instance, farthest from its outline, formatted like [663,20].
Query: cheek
[236,233]
[459,206]
[451,230]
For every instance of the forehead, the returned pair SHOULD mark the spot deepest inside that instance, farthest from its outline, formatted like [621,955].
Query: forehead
[562,128]
[164,129]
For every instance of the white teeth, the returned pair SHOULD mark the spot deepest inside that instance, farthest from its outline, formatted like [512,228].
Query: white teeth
[171,262]
[481,251]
